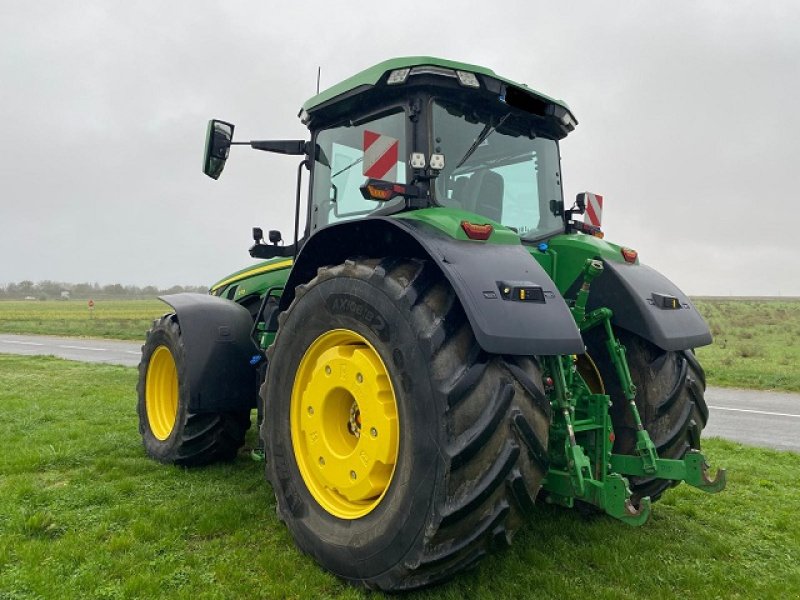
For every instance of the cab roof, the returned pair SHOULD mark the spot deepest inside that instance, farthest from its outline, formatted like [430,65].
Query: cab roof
[369,78]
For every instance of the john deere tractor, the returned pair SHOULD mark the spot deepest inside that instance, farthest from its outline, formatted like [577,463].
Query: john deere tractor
[442,342]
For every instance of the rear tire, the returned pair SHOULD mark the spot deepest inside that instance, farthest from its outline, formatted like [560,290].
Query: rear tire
[670,396]
[170,432]
[471,428]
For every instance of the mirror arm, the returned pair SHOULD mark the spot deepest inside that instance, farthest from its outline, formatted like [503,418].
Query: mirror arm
[292,147]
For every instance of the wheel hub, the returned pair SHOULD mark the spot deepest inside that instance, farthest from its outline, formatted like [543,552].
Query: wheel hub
[344,424]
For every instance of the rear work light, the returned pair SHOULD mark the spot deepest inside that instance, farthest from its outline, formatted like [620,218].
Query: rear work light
[475,231]
[398,76]
[467,79]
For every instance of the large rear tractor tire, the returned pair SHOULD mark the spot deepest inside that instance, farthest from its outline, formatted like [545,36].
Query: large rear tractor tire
[670,396]
[399,452]
[170,432]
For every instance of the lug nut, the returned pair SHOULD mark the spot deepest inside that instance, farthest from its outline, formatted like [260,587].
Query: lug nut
[321,461]
[353,475]
[359,378]
[327,369]
[373,432]
[311,410]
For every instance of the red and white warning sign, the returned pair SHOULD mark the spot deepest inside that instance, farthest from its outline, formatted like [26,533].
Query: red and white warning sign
[594,209]
[380,156]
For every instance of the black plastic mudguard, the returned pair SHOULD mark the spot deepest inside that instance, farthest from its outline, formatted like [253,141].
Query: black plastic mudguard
[642,301]
[218,349]
[476,270]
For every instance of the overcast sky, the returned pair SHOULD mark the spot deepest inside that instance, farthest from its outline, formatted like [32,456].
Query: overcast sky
[689,125]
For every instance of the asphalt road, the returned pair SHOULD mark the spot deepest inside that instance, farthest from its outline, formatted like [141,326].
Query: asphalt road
[101,351]
[767,419]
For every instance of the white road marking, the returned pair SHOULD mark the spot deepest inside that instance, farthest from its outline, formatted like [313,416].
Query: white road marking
[21,343]
[137,353]
[757,412]
[84,348]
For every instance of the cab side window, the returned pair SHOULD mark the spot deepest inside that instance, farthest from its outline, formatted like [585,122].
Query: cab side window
[349,155]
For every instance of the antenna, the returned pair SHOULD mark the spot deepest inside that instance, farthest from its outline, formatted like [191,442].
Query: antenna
[319,72]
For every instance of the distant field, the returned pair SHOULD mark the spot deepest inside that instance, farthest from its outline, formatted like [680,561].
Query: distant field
[756,341]
[115,319]
[84,514]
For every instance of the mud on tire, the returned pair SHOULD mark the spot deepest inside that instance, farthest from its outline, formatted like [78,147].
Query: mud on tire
[472,428]
[170,432]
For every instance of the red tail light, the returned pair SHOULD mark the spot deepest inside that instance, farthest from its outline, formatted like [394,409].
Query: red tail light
[477,232]
[629,255]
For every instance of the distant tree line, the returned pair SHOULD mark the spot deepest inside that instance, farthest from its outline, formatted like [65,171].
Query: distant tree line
[58,290]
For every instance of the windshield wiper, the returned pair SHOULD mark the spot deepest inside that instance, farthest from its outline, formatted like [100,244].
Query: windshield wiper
[352,164]
[488,130]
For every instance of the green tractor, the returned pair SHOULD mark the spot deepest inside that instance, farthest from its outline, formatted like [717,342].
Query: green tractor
[442,342]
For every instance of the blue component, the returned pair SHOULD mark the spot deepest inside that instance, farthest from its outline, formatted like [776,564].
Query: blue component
[543,247]
[255,360]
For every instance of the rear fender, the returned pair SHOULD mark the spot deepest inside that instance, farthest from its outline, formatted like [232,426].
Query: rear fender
[641,300]
[474,270]
[218,349]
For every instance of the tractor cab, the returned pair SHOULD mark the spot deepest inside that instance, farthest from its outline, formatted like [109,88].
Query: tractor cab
[427,132]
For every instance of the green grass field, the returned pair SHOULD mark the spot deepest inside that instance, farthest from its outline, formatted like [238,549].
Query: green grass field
[83,514]
[755,341]
[115,319]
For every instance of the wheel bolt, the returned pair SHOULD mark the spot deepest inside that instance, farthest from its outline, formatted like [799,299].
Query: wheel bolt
[327,369]
[321,461]
[311,410]
[353,475]
[373,432]
[359,378]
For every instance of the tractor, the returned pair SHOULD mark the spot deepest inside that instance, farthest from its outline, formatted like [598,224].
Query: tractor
[442,342]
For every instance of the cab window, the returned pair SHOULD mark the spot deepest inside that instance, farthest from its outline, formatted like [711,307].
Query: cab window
[347,156]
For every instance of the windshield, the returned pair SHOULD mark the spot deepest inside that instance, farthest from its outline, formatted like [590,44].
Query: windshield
[496,168]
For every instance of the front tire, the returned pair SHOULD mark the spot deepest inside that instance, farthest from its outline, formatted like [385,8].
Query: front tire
[170,432]
[470,429]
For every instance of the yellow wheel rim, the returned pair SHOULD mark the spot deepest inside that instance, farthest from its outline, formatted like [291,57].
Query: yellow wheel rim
[161,393]
[590,373]
[344,424]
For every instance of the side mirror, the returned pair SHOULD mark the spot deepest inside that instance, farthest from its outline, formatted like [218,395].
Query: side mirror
[218,144]
[580,202]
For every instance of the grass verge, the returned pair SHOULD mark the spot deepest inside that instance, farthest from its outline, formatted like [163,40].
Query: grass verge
[114,319]
[83,514]
[756,343]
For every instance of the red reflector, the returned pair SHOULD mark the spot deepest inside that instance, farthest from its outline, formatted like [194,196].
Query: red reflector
[477,232]
[629,255]
[611,437]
